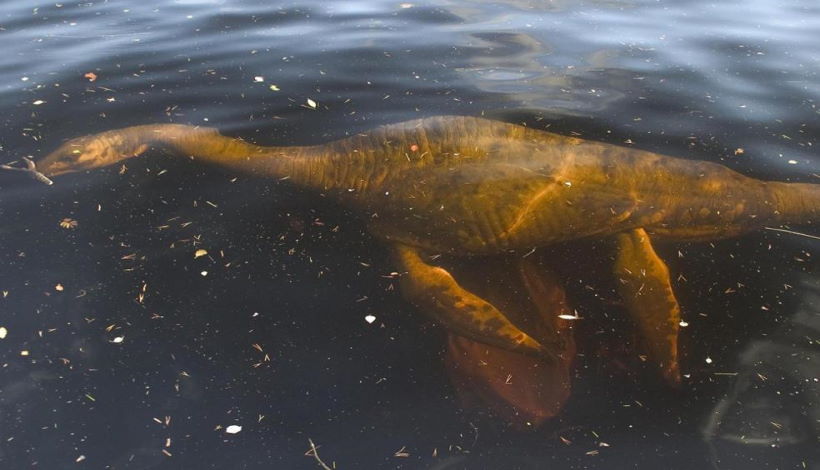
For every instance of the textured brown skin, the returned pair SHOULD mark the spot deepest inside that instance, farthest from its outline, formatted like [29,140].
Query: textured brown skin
[522,389]
[469,186]
[466,185]
[646,290]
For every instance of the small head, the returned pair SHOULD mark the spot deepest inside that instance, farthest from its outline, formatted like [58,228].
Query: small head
[87,153]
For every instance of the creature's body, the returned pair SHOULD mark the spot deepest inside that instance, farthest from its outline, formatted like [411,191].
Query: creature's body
[469,186]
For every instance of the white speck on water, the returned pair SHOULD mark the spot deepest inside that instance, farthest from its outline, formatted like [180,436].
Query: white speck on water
[3,332]
[708,360]
[258,79]
[118,339]
[370,318]
[204,273]
[569,317]
[792,162]
[233,429]
[683,324]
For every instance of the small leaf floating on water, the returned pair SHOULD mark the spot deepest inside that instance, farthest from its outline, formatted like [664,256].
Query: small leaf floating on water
[200,253]
[68,223]
[91,76]
[59,287]
[118,339]
[312,104]
[274,88]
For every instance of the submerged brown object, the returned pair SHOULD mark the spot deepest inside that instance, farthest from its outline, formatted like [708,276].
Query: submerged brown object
[523,389]
[469,186]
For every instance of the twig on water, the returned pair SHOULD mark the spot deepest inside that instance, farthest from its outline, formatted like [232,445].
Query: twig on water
[792,232]
[30,170]
[315,454]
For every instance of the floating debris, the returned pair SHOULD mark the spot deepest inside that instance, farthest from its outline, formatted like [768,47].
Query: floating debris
[312,104]
[200,253]
[370,318]
[31,170]
[233,429]
[3,332]
[68,223]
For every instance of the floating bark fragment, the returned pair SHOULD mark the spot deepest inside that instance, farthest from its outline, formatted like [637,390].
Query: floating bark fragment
[31,170]
[313,452]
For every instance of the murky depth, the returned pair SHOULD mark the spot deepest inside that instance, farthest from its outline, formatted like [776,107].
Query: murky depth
[127,347]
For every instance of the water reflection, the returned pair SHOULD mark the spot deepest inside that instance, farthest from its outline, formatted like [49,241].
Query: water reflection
[772,403]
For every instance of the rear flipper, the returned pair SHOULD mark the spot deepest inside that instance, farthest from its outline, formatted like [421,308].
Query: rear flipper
[436,292]
[646,290]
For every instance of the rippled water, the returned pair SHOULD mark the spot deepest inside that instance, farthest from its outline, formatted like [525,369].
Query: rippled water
[734,82]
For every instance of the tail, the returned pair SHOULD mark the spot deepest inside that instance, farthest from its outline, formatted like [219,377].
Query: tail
[796,203]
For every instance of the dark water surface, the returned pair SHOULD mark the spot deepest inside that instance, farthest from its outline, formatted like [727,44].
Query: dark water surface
[137,352]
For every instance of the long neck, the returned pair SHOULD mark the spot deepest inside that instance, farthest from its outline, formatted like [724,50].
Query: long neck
[302,165]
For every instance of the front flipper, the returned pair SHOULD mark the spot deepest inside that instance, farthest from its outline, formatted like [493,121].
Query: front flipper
[436,292]
[647,292]
[520,388]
